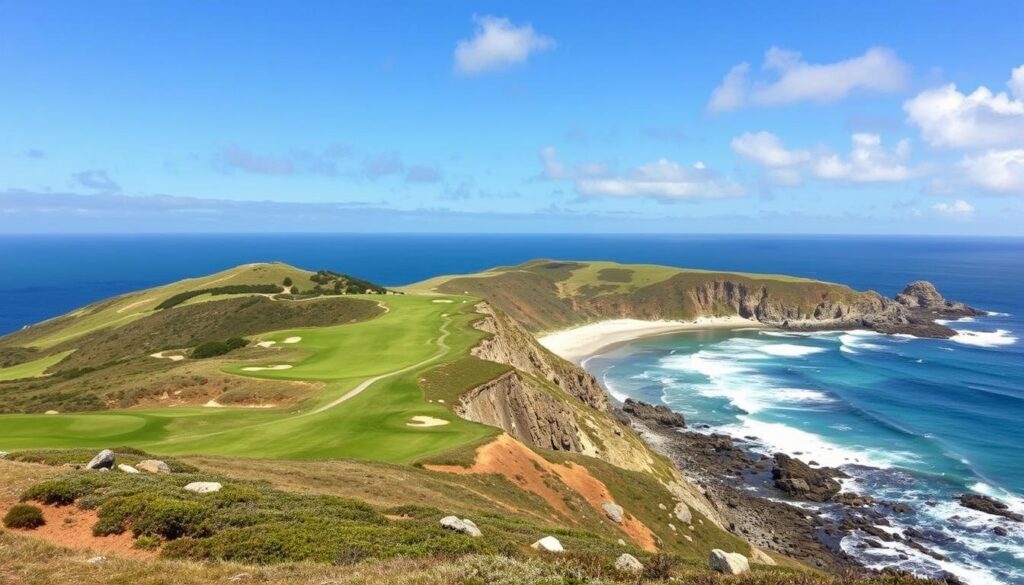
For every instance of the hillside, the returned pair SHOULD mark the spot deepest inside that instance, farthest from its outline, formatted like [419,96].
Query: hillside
[392,410]
[547,295]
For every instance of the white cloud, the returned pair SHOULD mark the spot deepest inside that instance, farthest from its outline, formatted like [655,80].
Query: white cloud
[555,169]
[981,119]
[998,171]
[867,162]
[877,70]
[664,179]
[958,208]
[496,44]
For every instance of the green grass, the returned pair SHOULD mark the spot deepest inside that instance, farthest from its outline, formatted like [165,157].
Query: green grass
[32,369]
[370,425]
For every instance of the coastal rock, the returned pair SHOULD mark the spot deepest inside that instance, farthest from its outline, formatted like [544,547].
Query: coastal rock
[613,511]
[989,506]
[798,479]
[682,512]
[548,544]
[127,468]
[203,487]
[465,526]
[659,414]
[629,563]
[103,460]
[922,294]
[153,466]
[852,499]
[728,563]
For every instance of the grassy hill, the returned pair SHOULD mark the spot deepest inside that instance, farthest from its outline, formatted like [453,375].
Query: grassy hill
[546,295]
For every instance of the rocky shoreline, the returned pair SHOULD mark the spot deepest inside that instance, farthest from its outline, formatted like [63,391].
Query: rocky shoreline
[781,503]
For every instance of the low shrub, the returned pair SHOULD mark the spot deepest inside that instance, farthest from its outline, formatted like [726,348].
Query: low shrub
[216,348]
[24,516]
[146,542]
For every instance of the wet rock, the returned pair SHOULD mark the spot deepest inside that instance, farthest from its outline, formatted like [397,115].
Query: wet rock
[660,415]
[1000,531]
[989,506]
[798,479]
[852,499]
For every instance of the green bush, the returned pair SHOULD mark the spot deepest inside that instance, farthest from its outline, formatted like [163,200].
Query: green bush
[287,281]
[146,542]
[24,516]
[216,348]
[233,289]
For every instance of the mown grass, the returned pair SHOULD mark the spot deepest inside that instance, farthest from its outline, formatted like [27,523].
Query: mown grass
[33,368]
[450,381]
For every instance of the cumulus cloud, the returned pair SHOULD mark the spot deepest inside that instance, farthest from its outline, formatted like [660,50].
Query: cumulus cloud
[982,119]
[958,208]
[997,171]
[96,180]
[867,162]
[555,170]
[794,80]
[497,44]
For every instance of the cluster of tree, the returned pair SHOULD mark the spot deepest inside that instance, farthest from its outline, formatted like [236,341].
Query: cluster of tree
[215,348]
[233,289]
[328,282]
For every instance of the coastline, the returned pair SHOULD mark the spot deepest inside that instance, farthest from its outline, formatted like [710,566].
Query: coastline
[578,343]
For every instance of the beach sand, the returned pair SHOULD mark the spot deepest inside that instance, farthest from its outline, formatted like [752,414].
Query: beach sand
[580,342]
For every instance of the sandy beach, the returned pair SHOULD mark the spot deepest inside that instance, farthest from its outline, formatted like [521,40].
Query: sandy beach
[580,342]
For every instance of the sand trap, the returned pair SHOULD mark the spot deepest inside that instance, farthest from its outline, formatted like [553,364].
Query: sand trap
[52,412]
[442,301]
[580,342]
[263,368]
[173,358]
[426,421]
[213,404]
[293,340]
[265,343]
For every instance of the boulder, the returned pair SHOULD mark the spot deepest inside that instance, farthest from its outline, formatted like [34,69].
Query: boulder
[203,487]
[989,506]
[728,563]
[103,460]
[627,562]
[464,525]
[798,479]
[548,544]
[153,466]
[852,499]
[682,512]
[613,511]
[127,468]
[660,415]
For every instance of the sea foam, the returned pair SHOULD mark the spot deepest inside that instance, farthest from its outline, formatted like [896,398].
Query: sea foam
[984,338]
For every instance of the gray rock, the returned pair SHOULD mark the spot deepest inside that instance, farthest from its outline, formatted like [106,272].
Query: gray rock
[103,460]
[464,525]
[728,563]
[627,562]
[613,511]
[127,468]
[203,487]
[548,544]
[154,466]
[682,511]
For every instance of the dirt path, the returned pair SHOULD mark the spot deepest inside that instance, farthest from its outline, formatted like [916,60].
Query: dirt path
[442,346]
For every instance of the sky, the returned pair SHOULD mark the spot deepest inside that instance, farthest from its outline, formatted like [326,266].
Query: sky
[551,117]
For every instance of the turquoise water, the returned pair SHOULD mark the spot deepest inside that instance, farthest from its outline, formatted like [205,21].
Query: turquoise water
[914,420]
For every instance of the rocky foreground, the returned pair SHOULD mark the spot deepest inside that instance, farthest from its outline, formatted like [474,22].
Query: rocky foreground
[760,496]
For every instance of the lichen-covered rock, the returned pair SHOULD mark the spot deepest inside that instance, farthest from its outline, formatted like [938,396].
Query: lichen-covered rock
[203,487]
[548,544]
[463,525]
[103,460]
[153,466]
[728,563]
[614,512]
[629,563]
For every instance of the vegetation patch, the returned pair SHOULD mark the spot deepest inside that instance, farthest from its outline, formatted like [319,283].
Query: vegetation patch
[24,516]
[615,275]
[450,381]
[211,349]
[61,457]
[234,289]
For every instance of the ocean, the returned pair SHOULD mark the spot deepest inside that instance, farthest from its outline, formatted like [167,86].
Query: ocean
[911,420]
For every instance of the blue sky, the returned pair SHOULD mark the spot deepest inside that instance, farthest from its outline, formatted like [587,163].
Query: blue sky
[754,117]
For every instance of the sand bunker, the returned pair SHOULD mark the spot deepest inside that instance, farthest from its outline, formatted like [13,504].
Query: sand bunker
[173,358]
[265,343]
[426,421]
[293,340]
[442,301]
[262,368]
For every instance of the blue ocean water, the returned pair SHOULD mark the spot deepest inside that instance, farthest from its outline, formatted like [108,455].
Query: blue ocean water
[912,420]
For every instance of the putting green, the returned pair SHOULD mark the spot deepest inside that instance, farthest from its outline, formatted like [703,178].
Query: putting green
[369,372]
[33,368]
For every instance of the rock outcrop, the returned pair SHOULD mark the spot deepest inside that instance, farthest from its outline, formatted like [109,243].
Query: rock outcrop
[660,415]
[153,466]
[989,506]
[798,479]
[923,295]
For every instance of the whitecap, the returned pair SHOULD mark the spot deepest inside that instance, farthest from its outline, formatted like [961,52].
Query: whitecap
[800,395]
[995,338]
[789,350]
[780,437]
